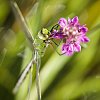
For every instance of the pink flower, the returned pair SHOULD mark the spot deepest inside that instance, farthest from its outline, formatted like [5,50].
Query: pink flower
[69,49]
[74,34]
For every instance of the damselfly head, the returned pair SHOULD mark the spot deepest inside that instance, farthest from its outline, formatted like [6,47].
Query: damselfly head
[45,31]
[44,34]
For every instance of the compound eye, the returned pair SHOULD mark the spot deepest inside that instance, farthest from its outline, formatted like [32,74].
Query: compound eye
[45,31]
[42,36]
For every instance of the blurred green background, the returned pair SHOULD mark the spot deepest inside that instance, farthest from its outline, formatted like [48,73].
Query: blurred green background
[62,78]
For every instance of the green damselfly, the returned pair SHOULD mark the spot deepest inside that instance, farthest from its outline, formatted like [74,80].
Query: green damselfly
[38,45]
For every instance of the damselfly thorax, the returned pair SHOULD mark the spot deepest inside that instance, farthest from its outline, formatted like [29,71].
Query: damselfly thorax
[42,41]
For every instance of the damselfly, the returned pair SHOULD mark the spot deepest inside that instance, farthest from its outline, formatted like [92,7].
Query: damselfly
[39,44]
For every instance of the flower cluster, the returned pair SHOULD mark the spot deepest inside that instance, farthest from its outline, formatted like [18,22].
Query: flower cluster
[73,33]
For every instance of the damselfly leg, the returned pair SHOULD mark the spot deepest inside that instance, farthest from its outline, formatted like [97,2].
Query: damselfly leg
[55,49]
[54,27]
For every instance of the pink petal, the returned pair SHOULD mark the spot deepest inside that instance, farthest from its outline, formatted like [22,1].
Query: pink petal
[85,39]
[70,50]
[70,53]
[62,22]
[69,20]
[75,20]
[77,47]
[67,49]
[83,29]
[63,48]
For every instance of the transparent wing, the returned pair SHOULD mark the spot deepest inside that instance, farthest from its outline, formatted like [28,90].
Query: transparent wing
[22,21]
